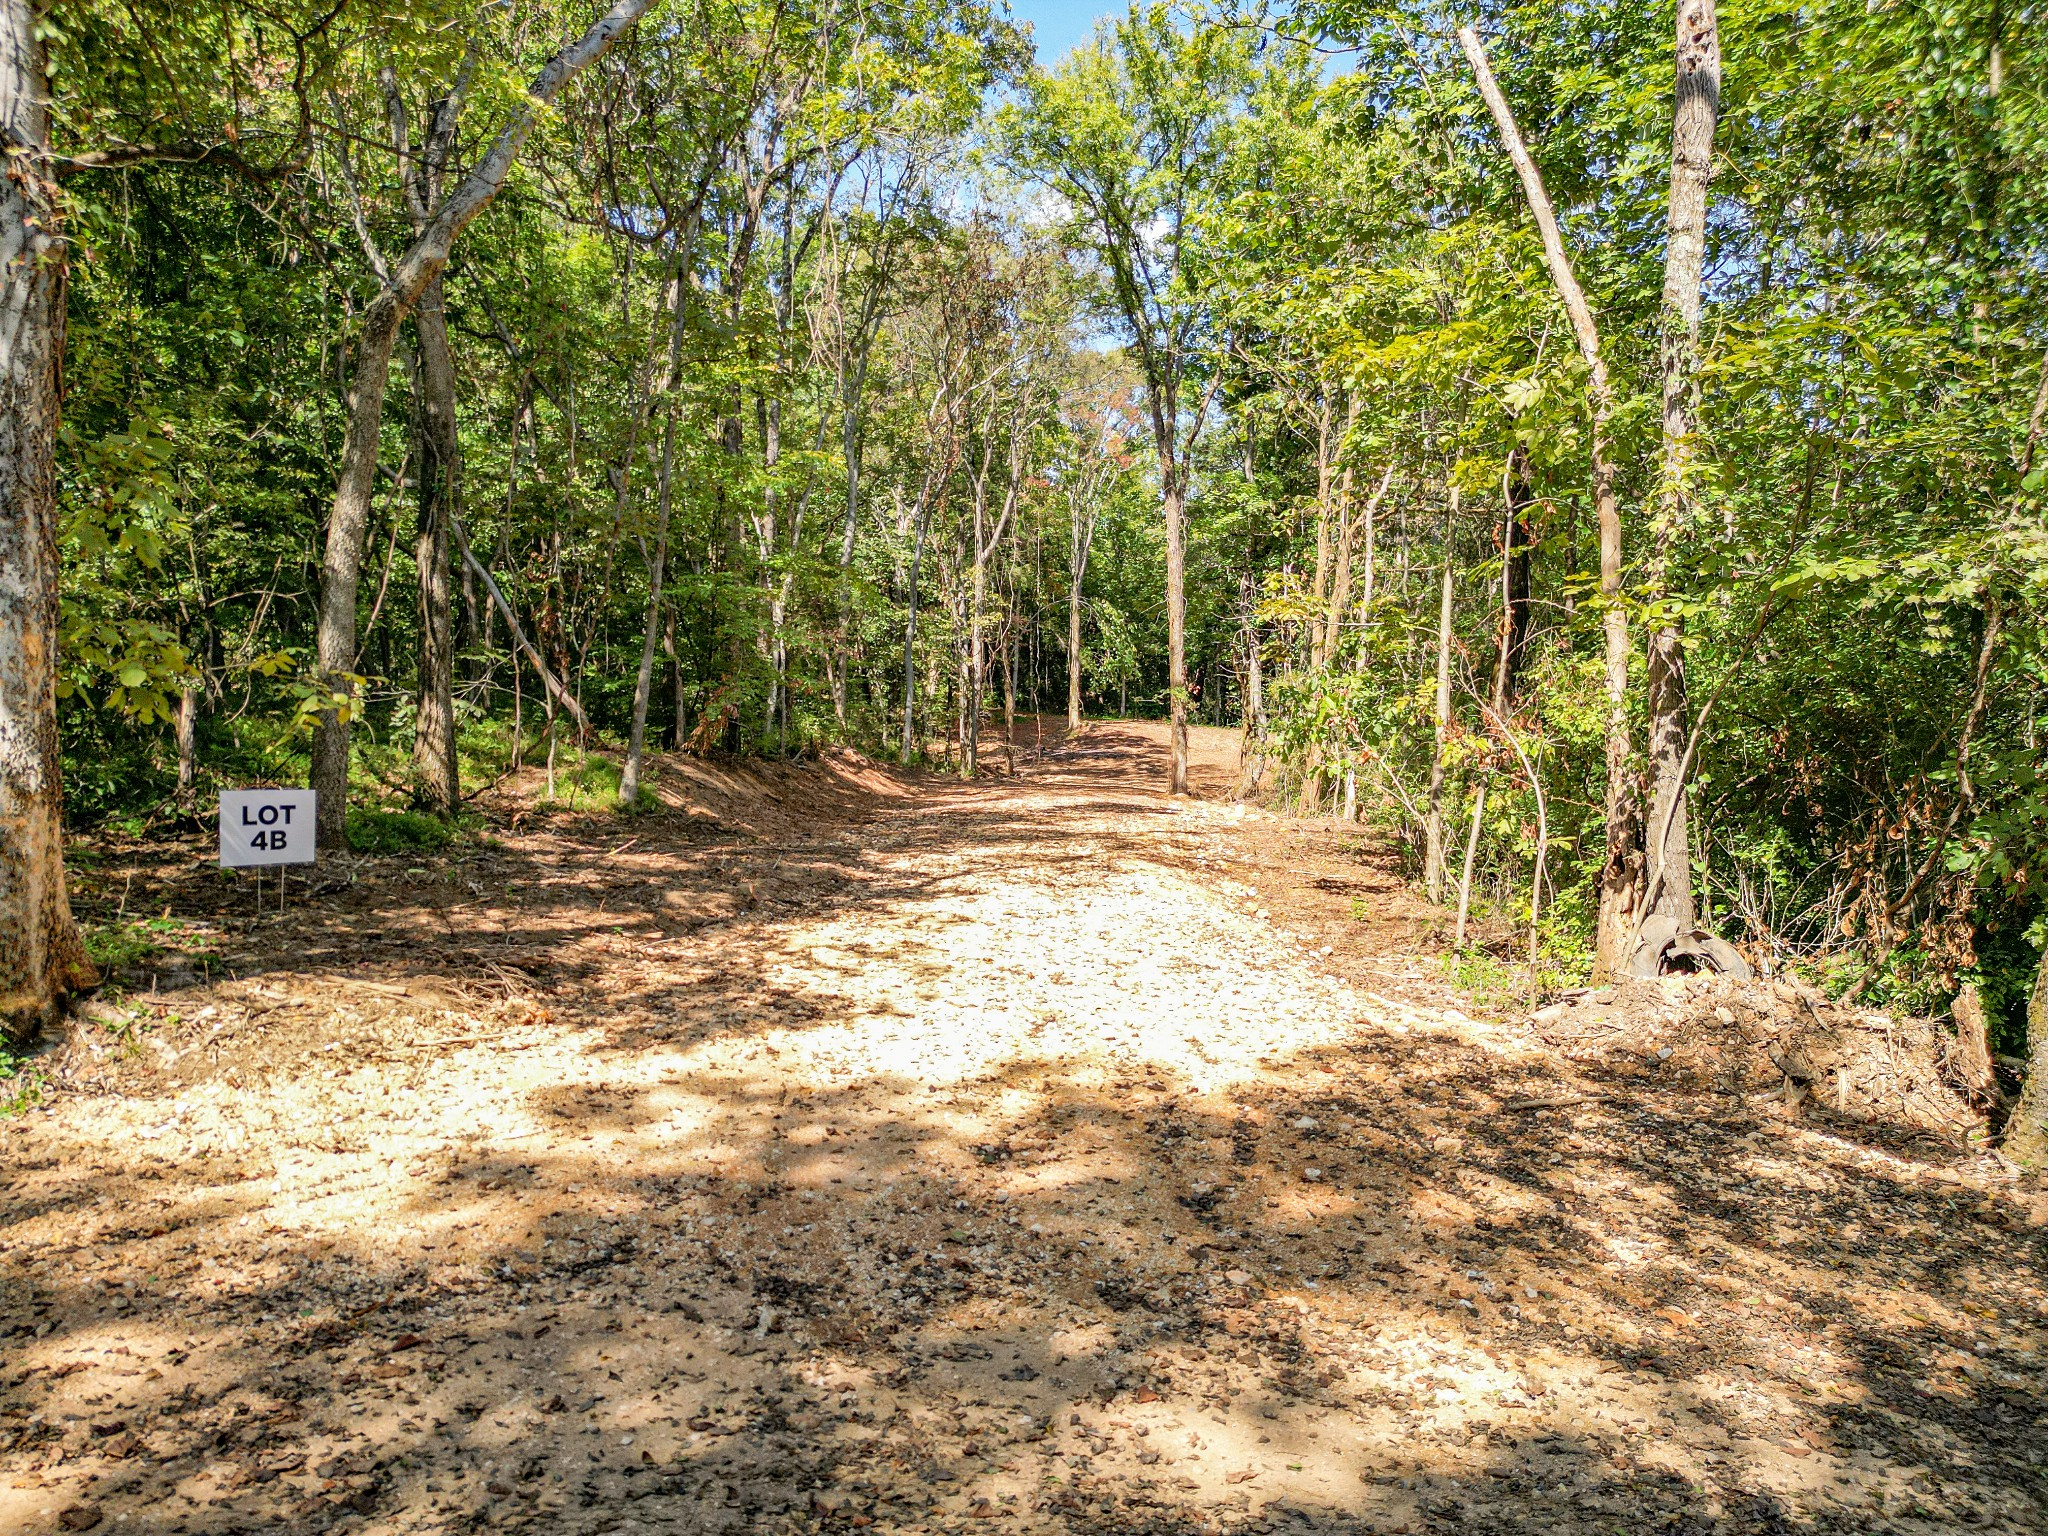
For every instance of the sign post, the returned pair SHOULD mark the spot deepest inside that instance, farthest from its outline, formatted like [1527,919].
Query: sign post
[263,827]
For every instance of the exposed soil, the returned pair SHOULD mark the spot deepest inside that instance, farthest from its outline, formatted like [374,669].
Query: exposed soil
[838,1149]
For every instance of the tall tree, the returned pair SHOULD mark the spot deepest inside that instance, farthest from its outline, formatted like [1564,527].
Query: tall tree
[1696,106]
[41,954]
[1134,131]
[348,518]
[1621,875]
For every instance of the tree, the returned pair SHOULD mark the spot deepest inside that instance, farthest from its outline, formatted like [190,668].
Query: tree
[348,517]
[1134,132]
[1620,877]
[41,954]
[1696,105]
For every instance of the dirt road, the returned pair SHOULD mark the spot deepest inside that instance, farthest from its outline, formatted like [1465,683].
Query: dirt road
[898,1155]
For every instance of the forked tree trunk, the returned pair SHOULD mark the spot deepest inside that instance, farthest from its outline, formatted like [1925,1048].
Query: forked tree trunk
[1696,106]
[348,517]
[1621,873]
[440,492]
[41,954]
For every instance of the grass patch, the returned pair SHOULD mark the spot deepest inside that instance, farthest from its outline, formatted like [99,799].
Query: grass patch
[587,784]
[139,942]
[1502,986]
[374,831]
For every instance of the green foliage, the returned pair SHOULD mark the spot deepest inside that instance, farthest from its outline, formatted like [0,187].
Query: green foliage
[384,831]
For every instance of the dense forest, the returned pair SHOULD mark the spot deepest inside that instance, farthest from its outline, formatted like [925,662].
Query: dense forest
[1598,447]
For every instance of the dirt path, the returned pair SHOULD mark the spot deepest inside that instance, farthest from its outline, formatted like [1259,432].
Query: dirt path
[1037,1155]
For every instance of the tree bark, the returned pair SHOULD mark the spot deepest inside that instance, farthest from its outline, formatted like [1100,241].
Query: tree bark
[2026,1133]
[188,745]
[348,517]
[42,956]
[1696,106]
[1621,873]
[679,724]
[910,641]
[440,501]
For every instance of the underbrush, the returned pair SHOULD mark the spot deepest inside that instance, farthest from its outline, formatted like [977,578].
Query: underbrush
[21,1082]
[1500,984]
[393,831]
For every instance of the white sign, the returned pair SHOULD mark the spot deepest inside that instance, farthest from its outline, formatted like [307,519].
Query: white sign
[265,826]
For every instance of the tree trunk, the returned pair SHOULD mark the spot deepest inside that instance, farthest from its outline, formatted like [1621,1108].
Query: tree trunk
[1471,857]
[349,515]
[976,670]
[643,680]
[1340,574]
[1433,820]
[679,725]
[1697,101]
[41,954]
[188,745]
[1516,544]
[1010,705]
[1621,873]
[2026,1133]
[1083,535]
[440,501]
[910,642]
[1176,631]
[1318,594]
[552,687]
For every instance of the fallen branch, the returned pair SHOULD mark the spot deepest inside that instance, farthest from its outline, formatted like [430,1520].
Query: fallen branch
[1558,1101]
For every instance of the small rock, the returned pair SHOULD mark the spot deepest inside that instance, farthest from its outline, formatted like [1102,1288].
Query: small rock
[1313,1175]
[1237,1277]
[1663,1053]
[1306,1123]
[79,1517]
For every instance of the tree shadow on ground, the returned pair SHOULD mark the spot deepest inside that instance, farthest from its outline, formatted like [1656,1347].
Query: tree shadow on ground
[660,1289]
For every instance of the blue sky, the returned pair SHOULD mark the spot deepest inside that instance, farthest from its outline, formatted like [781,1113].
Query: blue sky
[1059,24]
